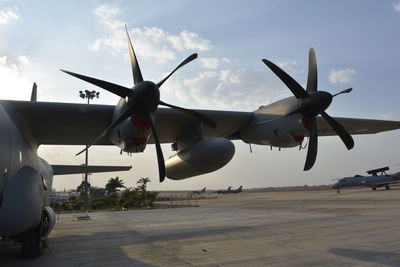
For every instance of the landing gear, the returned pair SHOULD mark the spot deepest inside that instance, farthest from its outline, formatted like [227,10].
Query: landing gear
[35,239]
[338,191]
[387,187]
[31,244]
[374,188]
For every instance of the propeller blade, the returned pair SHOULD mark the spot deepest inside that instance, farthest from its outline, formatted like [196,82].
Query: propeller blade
[137,74]
[296,88]
[160,157]
[117,121]
[186,61]
[34,93]
[343,134]
[348,90]
[111,87]
[312,146]
[203,118]
[312,80]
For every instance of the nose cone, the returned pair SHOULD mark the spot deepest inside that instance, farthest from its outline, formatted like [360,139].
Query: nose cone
[316,103]
[144,98]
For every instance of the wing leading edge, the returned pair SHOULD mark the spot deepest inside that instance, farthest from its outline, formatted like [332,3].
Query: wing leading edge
[74,169]
[357,126]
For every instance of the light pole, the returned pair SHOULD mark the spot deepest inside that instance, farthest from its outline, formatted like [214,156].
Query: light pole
[89,95]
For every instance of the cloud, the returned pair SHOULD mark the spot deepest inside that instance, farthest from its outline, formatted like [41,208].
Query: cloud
[213,63]
[17,86]
[8,14]
[188,41]
[244,89]
[396,6]
[342,76]
[290,67]
[106,15]
[149,42]
[23,60]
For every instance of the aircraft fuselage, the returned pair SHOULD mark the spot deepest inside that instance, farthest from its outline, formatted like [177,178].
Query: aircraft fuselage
[25,179]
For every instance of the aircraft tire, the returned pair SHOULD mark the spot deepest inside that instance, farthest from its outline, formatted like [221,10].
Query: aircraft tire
[31,244]
[374,188]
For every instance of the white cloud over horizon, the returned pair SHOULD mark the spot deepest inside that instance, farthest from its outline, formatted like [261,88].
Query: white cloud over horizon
[225,88]
[342,76]
[396,6]
[213,63]
[8,14]
[11,78]
[148,42]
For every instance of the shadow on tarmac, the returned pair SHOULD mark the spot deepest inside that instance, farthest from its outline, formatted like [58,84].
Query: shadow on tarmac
[386,258]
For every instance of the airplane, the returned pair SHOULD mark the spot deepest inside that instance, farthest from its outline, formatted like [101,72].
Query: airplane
[372,181]
[230,191]
[235,191]
[201,139]
[222,191]
[199,192]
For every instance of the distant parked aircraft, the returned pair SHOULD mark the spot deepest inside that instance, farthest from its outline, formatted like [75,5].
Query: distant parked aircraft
[230,191]
[373,181]
[199,192]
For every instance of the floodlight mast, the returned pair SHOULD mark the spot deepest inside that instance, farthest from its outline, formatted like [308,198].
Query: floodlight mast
[89,95]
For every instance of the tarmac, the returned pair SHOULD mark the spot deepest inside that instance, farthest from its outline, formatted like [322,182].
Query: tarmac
[358,227]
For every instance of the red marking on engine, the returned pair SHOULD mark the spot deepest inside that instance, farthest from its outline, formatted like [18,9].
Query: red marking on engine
[307,123]
[139,143]
[298,138]
[141,123]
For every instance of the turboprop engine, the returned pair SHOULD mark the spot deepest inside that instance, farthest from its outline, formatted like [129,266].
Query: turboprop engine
[284,131]
[202,157]
[131,135]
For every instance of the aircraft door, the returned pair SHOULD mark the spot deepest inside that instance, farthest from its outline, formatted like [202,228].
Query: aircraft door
[5,145]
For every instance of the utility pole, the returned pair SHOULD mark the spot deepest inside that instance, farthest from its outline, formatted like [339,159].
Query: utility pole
[89,95]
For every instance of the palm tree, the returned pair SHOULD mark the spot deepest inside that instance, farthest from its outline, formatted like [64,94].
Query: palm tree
[113,184]
[142,187]
[143,184]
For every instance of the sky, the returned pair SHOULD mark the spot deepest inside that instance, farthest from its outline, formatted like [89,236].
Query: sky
[356,42]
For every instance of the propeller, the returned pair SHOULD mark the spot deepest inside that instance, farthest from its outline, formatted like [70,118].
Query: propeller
[142,99]
[312,104]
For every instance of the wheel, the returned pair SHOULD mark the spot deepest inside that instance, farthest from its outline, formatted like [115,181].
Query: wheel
[387,187]
[374,188]
[31,243]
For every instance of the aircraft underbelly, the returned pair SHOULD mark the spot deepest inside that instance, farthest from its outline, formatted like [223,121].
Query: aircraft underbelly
[22,203]
[5,144]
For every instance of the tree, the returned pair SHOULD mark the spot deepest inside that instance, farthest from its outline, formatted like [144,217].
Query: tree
[113,185]
[81,188]
[142,184]
[142,188]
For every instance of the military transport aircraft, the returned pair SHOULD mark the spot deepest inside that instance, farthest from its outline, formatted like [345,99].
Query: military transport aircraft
[372,181]
[202,139]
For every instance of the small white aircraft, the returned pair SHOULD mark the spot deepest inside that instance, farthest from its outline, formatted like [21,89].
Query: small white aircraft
[202,139]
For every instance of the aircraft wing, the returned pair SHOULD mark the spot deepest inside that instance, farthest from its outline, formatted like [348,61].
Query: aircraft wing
[60,123]
[79,124]
[357,126]
[74,169]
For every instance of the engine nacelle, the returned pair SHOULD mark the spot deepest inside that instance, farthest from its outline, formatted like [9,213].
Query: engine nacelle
[202,157]
[132,134]
[285,131]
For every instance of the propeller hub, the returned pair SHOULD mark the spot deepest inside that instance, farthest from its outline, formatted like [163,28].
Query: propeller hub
[315,103]
[144,98]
